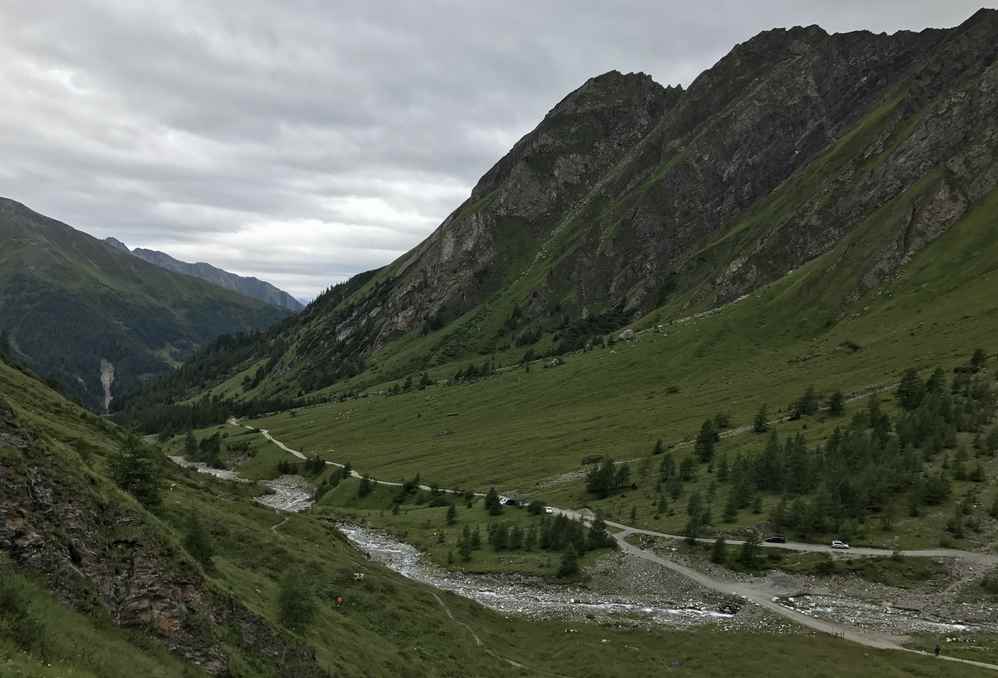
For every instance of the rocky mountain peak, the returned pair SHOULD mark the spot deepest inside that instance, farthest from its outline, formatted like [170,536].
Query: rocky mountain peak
[610,89]
[606,109]
[117,244]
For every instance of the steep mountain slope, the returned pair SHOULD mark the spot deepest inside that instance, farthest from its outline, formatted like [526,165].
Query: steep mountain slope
[629,198]
[526,427]
[247,286]
[97,320]
[99,552]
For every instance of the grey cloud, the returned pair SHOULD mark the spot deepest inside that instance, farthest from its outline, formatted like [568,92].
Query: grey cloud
[306,141]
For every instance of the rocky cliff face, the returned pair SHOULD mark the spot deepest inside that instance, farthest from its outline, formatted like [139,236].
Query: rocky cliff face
[767,111]
[103,555]
[792,141]
[518,204]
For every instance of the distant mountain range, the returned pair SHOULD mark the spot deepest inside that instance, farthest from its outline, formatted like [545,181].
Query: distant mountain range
[96,320]
[248,286]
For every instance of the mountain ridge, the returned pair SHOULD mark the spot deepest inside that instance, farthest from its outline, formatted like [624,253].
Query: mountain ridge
[86,315]
[249,286]
[630,198]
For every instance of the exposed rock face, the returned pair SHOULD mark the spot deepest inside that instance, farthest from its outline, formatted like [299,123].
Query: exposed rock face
[796,138]
[518,204]
[766,111]
[117,244]
[100,553]
[11,435]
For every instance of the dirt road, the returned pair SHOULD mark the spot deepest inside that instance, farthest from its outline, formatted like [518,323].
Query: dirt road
[754,593]
[764,598]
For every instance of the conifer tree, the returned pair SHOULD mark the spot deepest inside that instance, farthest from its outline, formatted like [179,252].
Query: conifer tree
[296,605]
[706,442]
[197,541]
[136,469]
[569,566]
[837,404]
[760,424]
[719,552]
[910,390]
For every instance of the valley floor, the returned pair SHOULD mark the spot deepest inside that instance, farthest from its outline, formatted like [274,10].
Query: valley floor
[717,595]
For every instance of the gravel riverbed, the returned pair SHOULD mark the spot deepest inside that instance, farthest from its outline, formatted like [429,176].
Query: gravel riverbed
[620,589]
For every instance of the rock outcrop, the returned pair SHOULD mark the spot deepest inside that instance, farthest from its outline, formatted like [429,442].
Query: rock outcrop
[100,553]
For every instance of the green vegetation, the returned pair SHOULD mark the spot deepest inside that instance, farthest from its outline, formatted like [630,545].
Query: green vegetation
[528,428]
[367,624]
[752,558]
[68,300]
[297,607]
[857,471]
[973,646]
[39,636]
[607,477]
[469,533]
[198,543]
[850,394]
[898,571]
[136,468]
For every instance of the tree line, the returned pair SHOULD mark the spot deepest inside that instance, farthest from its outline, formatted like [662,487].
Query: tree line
[865,466]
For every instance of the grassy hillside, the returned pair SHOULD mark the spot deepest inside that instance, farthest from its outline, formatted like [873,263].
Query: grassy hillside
[528,429]
[520,424]
[71,305]
[61,614]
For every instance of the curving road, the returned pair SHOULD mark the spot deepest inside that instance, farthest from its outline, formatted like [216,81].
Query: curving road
[586,515]
[758,594]
[972,556]
[353,474]
[764,597]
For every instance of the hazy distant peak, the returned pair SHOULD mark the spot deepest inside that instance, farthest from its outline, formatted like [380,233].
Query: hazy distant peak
[247,286]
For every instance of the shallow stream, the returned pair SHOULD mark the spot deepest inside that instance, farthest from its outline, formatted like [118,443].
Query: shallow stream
[521,595]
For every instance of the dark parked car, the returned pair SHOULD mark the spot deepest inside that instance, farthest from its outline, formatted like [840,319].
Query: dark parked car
[776,539]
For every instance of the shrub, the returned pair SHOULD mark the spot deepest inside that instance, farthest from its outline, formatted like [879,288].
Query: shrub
[569,566]
[16,616]
[365,487]
[197,541]
[492,504]
[296,605]
[136,469]
[719,552]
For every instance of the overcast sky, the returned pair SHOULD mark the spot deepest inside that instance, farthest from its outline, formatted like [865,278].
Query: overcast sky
[305,141]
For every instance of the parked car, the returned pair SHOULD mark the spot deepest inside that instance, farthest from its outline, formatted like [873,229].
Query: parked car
[837,544]
[776,539]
